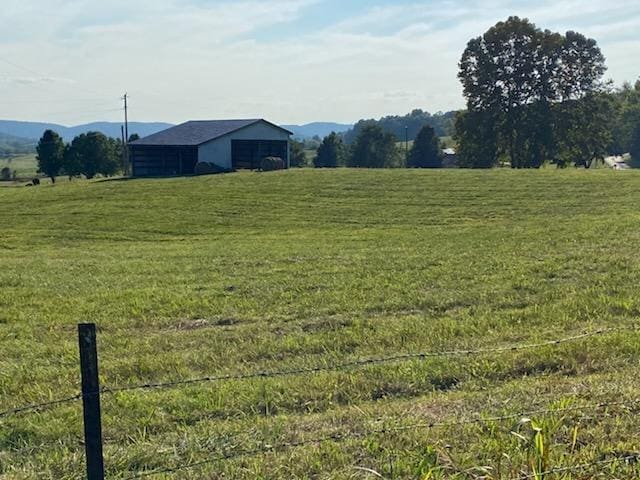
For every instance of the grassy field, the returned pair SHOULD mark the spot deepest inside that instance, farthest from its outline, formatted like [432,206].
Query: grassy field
[25,166]
[251,272]
[310,156]
[446,142]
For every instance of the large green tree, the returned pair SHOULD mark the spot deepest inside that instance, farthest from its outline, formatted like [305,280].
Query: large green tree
[50,154]
[409,125]
[297,157]
[476,140]
[374,148]
[331,152]
[72,164]
[425,152]
[634,146]
[583,132]
[93,153]
[626,119]
[515,73]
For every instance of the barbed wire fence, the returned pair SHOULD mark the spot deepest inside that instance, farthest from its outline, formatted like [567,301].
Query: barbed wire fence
[92,392]
[341,436]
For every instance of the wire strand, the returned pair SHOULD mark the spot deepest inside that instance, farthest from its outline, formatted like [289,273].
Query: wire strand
[582,466]
[39,406]
[337,437]
[355,363]
[312,370]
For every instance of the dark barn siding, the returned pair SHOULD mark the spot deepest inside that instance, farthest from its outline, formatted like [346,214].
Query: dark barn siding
[160,161]
[249,153]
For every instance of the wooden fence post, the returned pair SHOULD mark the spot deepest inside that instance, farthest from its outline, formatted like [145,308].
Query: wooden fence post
[91,400]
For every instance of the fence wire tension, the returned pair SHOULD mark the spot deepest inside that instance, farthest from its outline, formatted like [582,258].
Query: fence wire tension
[91,393]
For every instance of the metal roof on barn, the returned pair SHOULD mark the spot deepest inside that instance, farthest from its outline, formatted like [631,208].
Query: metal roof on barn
[197,132]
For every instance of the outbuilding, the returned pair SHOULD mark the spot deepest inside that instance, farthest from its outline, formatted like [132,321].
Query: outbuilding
[449,158]
[229,144]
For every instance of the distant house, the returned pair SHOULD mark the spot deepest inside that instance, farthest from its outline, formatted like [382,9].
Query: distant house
[449,158]
[229,144]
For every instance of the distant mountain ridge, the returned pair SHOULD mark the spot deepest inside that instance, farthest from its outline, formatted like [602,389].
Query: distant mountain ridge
[34,130]
[407,126]
[320,129]
[13,145]
[7,137]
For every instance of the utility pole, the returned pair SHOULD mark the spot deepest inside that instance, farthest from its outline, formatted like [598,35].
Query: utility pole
[125,143]
[126,119]
[406,143]
[124,152]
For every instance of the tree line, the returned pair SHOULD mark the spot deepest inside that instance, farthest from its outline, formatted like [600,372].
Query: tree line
[625,127]
[372,148]
[88,154]
[407,126]
[533,96]
[536,96]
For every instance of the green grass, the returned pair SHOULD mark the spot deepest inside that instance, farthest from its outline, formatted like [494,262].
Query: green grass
[248,272]
[25,166]
[310,156]
[447,142]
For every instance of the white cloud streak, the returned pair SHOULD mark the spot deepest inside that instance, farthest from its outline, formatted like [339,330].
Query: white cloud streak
[210,59]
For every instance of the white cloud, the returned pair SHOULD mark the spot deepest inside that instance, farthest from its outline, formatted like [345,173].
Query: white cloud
[208,58]
[33,80]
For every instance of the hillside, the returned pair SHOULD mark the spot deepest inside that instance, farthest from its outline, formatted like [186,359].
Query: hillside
[24,166]
[111,129]
[33,130]
[359,292]
[317,129]
[12,145]
[407,126]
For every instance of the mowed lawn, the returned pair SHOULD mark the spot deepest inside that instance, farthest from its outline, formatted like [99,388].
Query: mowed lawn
[252,272]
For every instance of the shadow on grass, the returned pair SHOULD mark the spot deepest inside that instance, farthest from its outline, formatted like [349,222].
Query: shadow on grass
[155,177]
[164,177]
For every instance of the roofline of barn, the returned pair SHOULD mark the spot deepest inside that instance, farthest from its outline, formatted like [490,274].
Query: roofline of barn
[258,120]
[253,122]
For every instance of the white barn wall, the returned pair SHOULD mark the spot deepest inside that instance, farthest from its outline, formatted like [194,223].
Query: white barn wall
[218,151]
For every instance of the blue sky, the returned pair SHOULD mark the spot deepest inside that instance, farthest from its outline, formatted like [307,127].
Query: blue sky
[292,61]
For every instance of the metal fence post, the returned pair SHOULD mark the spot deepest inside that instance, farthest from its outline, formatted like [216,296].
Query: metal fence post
[91,400]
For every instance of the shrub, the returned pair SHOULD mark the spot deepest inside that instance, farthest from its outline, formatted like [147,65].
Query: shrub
[5,173]
[269,164]
[206,168]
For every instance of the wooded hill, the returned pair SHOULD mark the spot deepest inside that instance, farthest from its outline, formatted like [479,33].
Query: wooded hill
[411,124]
[12,145]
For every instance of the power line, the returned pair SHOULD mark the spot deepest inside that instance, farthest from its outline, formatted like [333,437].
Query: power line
[48,87]
[25,69]
[57,100]
[42,75]
[84,112]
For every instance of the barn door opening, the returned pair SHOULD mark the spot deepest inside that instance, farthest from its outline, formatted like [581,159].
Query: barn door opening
[247,154]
